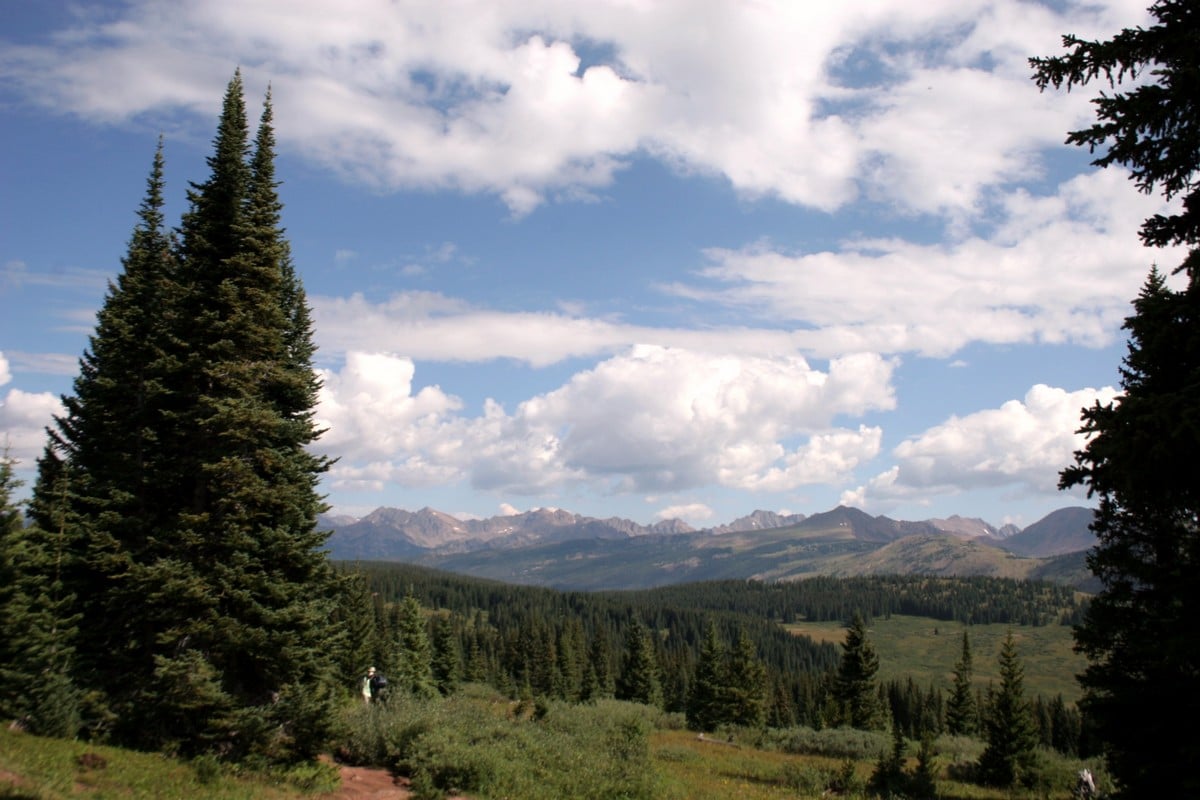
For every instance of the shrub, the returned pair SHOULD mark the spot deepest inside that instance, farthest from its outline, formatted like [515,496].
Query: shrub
[807,780]
[833,742]
[845,780]
[475,746]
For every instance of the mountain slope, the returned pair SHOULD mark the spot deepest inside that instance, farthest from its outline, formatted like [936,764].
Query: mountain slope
[1059,532]
[556,548]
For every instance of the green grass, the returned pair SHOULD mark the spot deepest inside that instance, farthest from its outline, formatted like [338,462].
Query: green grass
[927,650]
[36,768]
[492,748]
[693,768]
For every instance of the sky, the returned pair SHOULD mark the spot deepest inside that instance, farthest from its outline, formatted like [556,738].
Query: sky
[678,259]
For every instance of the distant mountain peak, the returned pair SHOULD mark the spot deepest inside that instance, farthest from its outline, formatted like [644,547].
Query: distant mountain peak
[551,546]
[759,521]
[965,527]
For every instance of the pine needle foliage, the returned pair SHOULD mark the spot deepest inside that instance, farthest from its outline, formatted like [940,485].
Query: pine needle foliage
[1008,725]
[962,715]
[1140,457]
[189,492]
[855,688]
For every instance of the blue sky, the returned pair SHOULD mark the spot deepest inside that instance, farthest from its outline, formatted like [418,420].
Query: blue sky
[637,259]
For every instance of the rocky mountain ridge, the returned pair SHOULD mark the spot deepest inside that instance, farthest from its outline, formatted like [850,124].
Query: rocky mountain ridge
[557,547]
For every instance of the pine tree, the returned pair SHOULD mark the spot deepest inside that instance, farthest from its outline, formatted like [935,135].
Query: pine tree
[1153,128]
[1065,727]
[355,615]
[1139,460]
[855,689]
[571,658]
[745,685]
[37,615]
[922,783]
[204,598]
[705,705]
[98,486]
[476,666]
[889,779]
[639,680]
[962,716]
[1008,726]
[414,655]
[12,528]
[447,660]
[600,661]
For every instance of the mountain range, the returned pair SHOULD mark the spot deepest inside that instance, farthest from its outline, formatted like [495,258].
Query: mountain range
[556,548]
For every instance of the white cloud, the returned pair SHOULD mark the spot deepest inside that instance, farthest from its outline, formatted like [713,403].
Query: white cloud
[1052,269]
[812,103]
[650,419]
[427,326]
[828,458]
[689,512]
[1055,269]
[1022,444]
[370,410]
[24,417]
[667,419]
[23,420]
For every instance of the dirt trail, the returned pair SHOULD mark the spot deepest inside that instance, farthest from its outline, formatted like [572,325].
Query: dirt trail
[372,783]
[369,783]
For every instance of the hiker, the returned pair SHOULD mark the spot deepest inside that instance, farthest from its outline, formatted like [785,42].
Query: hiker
[1085,787]
[378,688]
[367,689]
[374,686]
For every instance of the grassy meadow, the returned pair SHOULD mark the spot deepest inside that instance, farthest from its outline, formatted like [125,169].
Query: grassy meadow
[927,650]
[478,744]
[36,768]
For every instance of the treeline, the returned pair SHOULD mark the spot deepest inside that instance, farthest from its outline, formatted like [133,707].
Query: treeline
[975,600]
[675,647]
[978,600]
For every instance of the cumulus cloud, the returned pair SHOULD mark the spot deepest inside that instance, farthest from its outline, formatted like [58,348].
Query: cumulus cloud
[1023,444]
[649,419]
[810,103]
[23,420]
[370,410]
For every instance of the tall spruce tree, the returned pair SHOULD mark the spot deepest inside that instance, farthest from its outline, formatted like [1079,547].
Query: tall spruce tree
[745,684]
[599,664]
[95,501]
[854,688]
[204,597]
[705,704]
[414,654]
[962,716]
[38,612]
[639,679]
[355,616]
[12,529]
[447,658]
[1008,725]
[1139,460]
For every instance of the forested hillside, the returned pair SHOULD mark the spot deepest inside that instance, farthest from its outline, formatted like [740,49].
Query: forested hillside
[579,646]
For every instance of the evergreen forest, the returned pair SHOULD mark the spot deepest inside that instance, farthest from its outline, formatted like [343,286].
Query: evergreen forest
[725,636]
